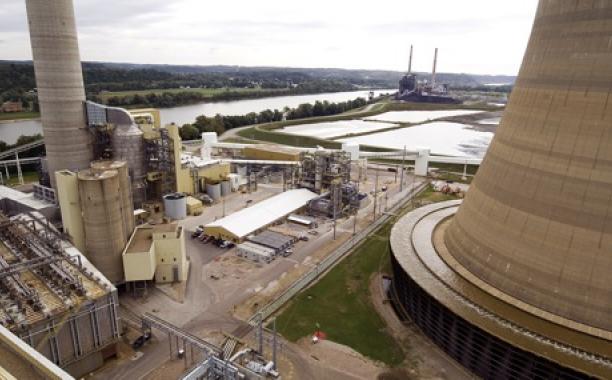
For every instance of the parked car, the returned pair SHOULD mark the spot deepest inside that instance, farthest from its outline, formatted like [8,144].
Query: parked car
[196,234]
[225,244]
[304,238]
[313,232]
[287,252]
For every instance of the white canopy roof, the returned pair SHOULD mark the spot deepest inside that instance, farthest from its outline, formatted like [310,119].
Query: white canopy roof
[259,215]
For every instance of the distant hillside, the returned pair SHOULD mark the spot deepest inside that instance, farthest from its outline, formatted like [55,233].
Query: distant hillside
[387,77]
[17,78]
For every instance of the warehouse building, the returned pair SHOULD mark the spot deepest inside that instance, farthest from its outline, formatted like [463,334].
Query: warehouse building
[237,226]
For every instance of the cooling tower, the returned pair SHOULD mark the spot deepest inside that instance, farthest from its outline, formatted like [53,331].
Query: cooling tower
[127,207]
[536,225]
[105,237]
[59,80]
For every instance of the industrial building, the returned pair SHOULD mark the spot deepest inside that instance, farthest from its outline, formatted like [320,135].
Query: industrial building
[237,226]
[97,213]
[21,361]
[156,252]
[53,298]
[515,281]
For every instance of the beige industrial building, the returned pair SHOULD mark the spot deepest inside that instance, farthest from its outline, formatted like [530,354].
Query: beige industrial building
[156,252]
[271,152]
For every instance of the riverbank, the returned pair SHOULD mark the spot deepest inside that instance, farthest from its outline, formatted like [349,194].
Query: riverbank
[12,117]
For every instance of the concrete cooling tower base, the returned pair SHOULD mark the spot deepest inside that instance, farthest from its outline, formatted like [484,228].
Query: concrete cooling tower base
[487,335]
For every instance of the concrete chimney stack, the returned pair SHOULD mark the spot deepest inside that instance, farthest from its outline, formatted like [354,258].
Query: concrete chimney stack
[59,79]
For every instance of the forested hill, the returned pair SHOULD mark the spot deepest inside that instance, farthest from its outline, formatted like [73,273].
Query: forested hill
[17,78]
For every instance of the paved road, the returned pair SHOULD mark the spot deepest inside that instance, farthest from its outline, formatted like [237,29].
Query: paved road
[206,308]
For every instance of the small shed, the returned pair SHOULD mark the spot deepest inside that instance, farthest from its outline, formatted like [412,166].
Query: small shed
[255,252]
[194,206]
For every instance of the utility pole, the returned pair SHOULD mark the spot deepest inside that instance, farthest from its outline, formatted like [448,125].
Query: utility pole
[375,196]
[334,197]
[274,344]
[402,174]
[19,174]
[260,334]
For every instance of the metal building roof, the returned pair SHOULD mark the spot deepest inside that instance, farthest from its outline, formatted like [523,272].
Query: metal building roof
[272,240]
[246,221]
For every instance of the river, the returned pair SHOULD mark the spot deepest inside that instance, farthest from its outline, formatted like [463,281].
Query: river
[10,131]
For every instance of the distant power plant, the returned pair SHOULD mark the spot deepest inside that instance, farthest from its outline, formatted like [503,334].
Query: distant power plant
[412,90]
[518,283]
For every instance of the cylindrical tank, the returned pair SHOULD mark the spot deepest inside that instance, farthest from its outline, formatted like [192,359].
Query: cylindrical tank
[59,81]
[175,206]
[214,191]
[127,207]
[105,237]
[226,188]
[128,146]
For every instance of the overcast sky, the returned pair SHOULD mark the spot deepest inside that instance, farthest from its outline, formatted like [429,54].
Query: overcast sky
[475,36]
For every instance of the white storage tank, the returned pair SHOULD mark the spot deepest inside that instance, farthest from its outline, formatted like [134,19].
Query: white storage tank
[214,191]
[226,188]
[175,206]
[234,180]
[352,149]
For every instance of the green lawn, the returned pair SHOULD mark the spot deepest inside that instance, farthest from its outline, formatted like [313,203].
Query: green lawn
[18,115]
[28,177]
[340,301]
[208,92]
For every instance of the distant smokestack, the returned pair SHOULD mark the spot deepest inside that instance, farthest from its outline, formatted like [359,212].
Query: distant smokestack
[410,61]
[433,72]
[59,79]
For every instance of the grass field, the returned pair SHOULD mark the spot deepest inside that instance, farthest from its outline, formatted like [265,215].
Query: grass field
[340,302]
[28,177]
[207,92]
[18,115]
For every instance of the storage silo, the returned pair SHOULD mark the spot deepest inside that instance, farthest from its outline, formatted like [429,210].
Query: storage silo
[175,206]
[214,191]
[226,188]
[105,237]
[128,146]
[127,206]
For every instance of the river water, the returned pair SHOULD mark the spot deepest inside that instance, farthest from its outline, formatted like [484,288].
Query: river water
[10,131]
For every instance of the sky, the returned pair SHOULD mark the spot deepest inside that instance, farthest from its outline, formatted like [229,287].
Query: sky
[473,36]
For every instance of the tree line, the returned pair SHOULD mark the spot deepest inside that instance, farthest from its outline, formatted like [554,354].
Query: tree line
[221,123]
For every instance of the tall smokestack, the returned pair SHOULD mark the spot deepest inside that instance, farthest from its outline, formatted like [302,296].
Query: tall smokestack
[410,61]
[59,79]
[433,72]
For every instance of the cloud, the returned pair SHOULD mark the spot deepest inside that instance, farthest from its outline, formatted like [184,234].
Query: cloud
[480,36]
